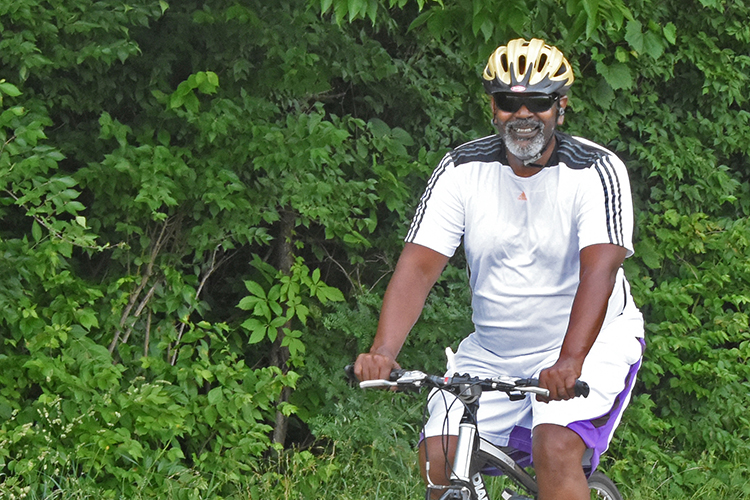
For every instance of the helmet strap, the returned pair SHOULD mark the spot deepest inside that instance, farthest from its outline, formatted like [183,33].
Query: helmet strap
[530,161]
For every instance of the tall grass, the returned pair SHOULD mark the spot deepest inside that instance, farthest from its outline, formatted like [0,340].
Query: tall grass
[377,472]
[373,475]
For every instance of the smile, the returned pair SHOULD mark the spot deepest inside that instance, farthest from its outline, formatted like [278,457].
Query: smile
[525,132]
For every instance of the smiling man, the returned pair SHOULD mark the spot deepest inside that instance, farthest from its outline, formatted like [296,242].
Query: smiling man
[546,221]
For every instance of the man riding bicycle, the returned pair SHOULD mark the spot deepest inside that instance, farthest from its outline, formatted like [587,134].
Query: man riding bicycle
[546,220]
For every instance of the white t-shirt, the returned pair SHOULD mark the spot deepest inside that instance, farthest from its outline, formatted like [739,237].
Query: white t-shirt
[522,235]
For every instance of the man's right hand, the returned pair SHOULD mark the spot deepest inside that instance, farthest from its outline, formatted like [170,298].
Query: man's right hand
[372,366]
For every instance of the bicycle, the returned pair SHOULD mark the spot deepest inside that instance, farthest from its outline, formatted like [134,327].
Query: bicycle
[475,456]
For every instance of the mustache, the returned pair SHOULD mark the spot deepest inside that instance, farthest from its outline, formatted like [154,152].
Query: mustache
[524,123]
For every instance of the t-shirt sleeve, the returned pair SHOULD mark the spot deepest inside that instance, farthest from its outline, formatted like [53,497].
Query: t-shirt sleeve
[439,222]
[605,209]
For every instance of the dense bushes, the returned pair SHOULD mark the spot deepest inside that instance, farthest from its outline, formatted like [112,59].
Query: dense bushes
[202,203]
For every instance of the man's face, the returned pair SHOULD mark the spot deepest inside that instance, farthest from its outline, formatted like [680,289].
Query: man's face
[525,132]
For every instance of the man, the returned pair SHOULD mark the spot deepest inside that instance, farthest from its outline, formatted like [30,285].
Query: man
[546,221]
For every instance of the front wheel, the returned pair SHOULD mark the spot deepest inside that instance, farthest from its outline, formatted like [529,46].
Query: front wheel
[603,487]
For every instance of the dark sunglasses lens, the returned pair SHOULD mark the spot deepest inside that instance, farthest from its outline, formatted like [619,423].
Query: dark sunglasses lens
[507,103]
[540,103]
[536,104]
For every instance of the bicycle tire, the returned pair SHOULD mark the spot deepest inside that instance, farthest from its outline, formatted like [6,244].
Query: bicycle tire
[604,487]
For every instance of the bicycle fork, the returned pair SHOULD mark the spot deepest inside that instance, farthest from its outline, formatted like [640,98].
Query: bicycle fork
[467,443]
[463,480]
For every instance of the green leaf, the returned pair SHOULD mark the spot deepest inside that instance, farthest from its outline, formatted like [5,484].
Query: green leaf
[420,20]
[591,7]
[296,347]
[87,318]
[36,231]
[333,294]
[191,102]
[255,289]
[670,33]
[646,250]
[617,75]
[578,28]
[379,128]
[215,395]
[603,94]
[257,330]
[259,334]
[210,414]
[276,308]
[653,45]
[248,303]
[9,89]
[634,35]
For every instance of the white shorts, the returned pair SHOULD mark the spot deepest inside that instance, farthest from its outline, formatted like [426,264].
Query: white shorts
[609,369]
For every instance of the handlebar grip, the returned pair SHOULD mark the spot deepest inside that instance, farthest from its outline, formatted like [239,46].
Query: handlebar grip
[349,370]
[581,387]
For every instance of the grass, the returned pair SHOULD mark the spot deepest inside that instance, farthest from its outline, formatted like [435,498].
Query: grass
[362,475]
[386,470]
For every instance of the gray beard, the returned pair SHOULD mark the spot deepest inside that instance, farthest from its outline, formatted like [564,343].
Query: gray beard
[532,150]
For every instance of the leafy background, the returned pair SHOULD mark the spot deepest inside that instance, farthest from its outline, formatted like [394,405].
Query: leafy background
[202,202]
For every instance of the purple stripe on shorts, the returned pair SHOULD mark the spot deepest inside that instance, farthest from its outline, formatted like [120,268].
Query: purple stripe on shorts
[520,439]
[596,432]
[519,449]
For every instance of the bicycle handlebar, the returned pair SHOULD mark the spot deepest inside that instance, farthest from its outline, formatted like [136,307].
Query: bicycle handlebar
[414,379]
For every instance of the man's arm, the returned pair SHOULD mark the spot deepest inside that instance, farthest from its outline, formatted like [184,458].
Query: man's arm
[599,266]
[418,268]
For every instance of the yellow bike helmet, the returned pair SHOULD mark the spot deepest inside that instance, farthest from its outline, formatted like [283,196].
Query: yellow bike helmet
[527,66]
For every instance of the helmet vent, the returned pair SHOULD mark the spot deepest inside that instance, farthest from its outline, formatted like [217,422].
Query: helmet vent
[561,71]
[522,63]
[504,62]
[542,62]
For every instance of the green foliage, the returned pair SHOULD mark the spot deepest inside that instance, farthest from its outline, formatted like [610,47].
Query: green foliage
[274,311]
[159,160]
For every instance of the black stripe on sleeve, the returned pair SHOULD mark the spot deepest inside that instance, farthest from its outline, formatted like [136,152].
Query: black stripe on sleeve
[419,215]
[606,201]
[612,200]
[617,199]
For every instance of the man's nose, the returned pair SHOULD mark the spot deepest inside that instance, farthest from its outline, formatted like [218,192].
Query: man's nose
[523,112]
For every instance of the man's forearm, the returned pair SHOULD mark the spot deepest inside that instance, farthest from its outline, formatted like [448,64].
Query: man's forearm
[599,267]
[416,272]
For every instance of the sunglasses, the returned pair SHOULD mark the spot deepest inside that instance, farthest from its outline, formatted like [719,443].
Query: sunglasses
[536,103]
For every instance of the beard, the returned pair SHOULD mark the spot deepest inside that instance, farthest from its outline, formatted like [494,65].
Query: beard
[523,149]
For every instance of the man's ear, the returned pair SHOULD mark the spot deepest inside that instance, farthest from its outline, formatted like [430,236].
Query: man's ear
[493,108]
[561,105]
